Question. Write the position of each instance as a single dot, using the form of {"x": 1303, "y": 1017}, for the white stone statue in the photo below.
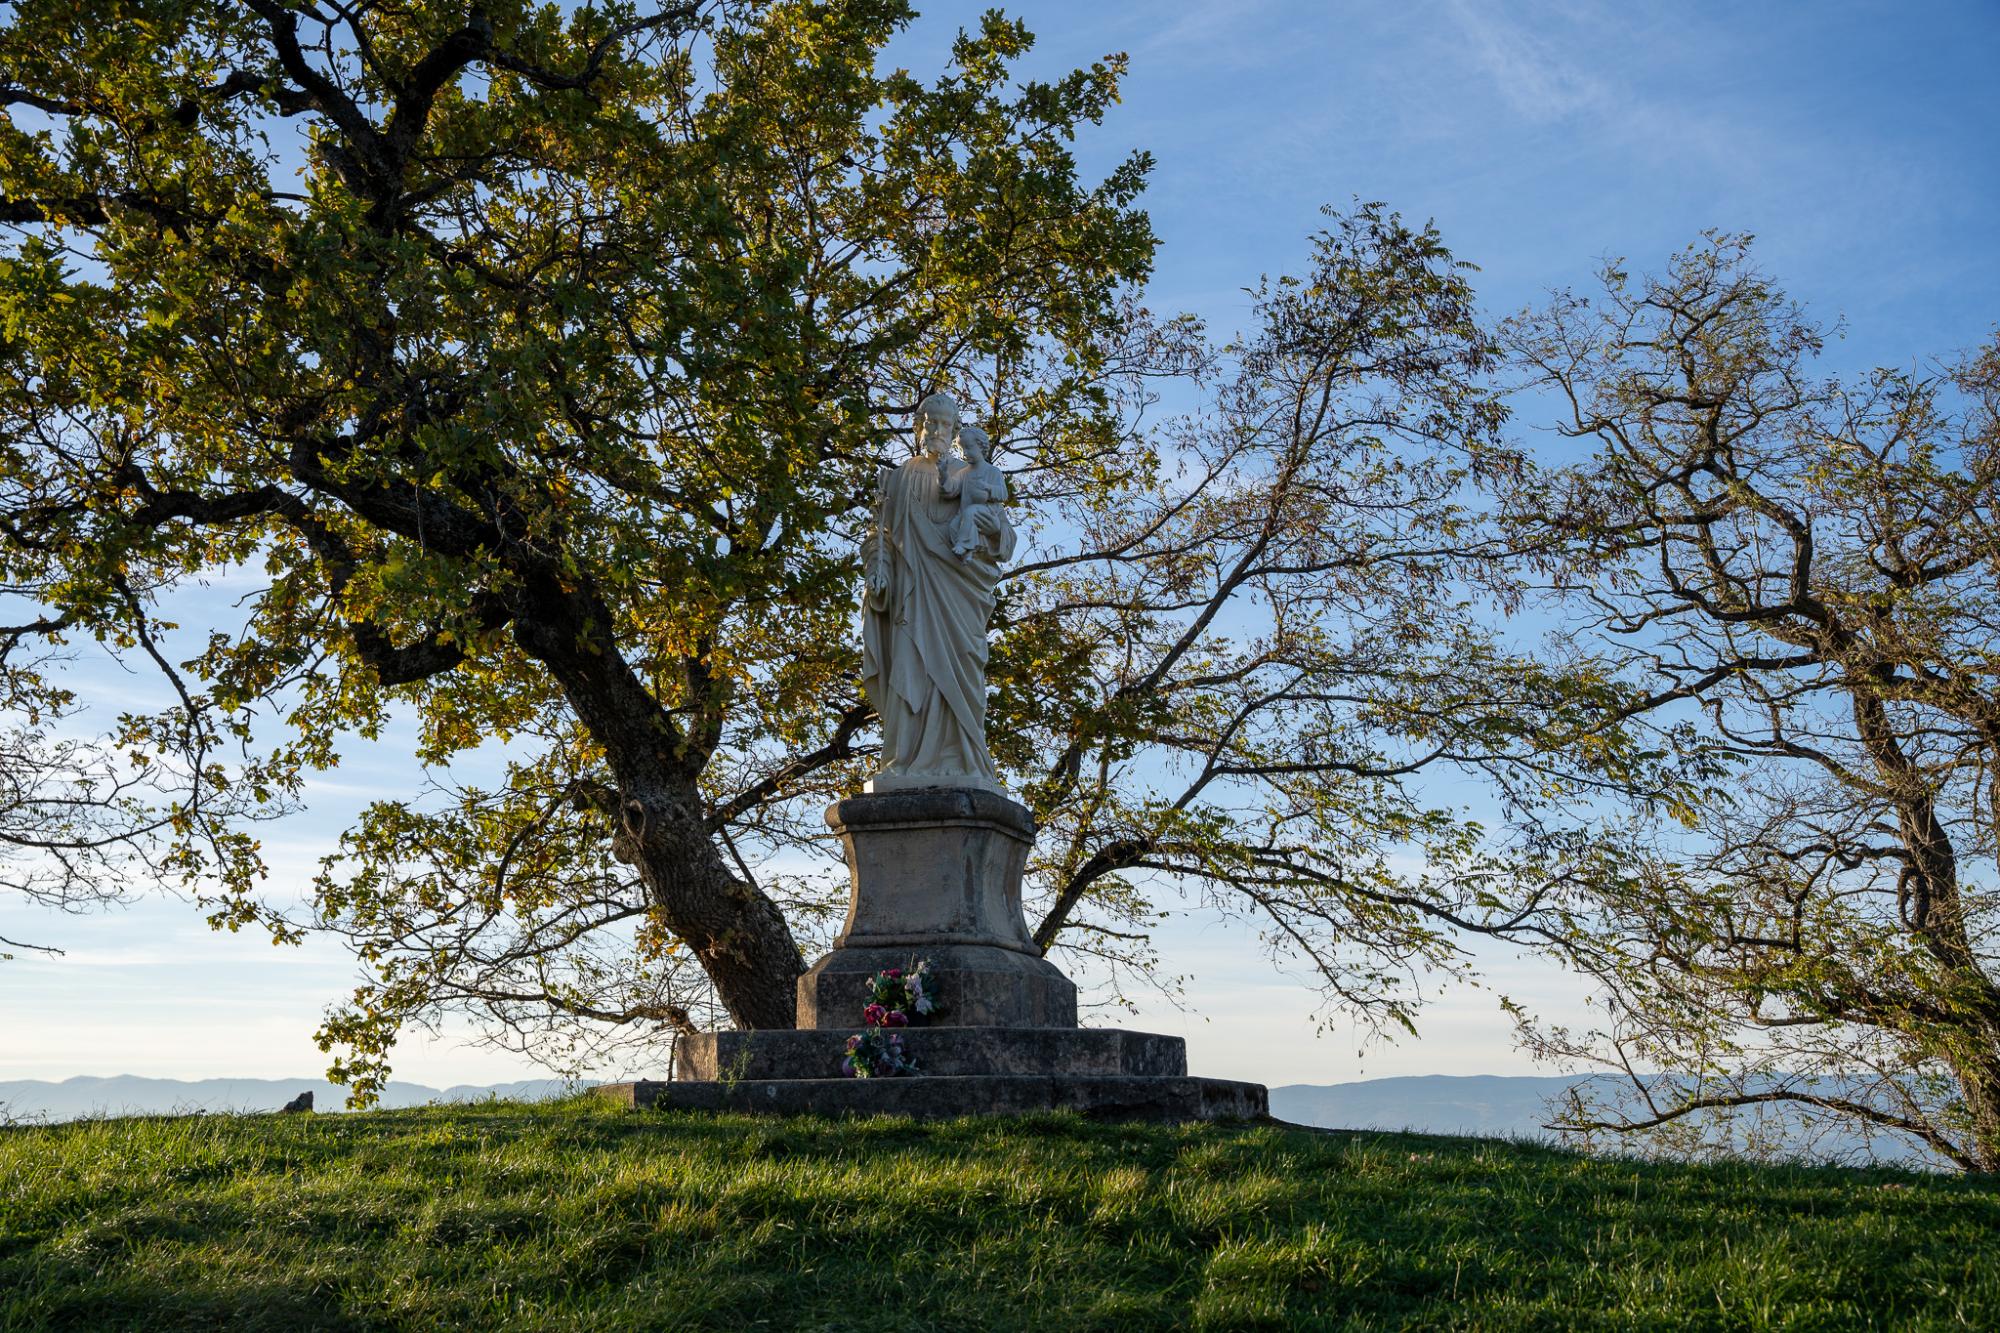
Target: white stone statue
{"x": 932, "y": 559}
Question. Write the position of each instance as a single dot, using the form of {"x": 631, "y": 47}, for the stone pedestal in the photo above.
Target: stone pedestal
{"x": 935, "y": 876}
{"x": 1169, "y": 1099}
{"x": 935, "y": 867}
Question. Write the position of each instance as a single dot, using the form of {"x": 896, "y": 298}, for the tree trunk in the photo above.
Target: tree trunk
{"x": 742, "y": 939}
{"x": 1936, "y": 915}
{"x": 739, "y": 934}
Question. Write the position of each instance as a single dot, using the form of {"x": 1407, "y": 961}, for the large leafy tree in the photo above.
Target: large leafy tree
{"x": 533, "y": 366}
{"x": 1798, "y": 575}
{"x": 532, "y": 355}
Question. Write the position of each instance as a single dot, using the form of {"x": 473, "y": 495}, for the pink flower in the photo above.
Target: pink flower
{"x": 873, "y": 1015}
{"x": 893, "y": 972}
{"x": 897, "y": 1018}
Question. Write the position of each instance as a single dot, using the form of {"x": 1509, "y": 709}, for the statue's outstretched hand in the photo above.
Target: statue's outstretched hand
{"x": 951, "y": 479}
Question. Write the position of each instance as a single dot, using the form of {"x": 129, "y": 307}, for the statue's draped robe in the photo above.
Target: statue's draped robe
{"x": 923, "y": 638}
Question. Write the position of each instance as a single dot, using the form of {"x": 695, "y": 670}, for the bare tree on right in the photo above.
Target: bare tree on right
{"x": 1803, "y": 574}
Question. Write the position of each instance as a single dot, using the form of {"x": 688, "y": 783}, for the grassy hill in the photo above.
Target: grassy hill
{"x": 573, "y": 1214}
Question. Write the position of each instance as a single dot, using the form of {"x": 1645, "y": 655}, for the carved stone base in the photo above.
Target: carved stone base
{"x": 934, "y": 867}
{"x": 939, "y": 1052}
{"x": 936, "y": 878}
{"x": 981, "y": 986}
{"x": 892, "y": 782}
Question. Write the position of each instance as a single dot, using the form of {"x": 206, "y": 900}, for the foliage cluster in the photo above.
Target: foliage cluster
{"x": 531, "y": 359}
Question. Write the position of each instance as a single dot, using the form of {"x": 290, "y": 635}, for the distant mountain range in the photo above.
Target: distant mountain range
{"x": 127, "y": 1094}
{"x": 1492, "y": 1105}
{"x": 1495, "y": 1106}
{"x": 1440, "y": 1104}
{"x": 1488, "y": 1105}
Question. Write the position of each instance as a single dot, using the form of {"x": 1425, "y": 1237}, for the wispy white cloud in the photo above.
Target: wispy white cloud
{"x": 1227, "y": 34}
{"x": 1528, "y": 65}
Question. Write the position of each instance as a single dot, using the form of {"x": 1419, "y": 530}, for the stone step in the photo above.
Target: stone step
{"x": 932, "y": 1098}
{"x": 939, "y": 1052}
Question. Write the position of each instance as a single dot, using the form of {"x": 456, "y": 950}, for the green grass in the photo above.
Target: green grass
{"x": 578, "y": 1215}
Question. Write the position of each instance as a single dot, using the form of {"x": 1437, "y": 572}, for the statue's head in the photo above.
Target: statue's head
{"x": 937, "y": 422}
{"x": 978, "y": 448}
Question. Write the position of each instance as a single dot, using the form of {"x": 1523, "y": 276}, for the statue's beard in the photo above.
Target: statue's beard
{"x": 931, "y": 441}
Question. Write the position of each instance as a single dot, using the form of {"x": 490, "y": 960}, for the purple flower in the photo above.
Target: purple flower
{"x": 897, "y": 1018}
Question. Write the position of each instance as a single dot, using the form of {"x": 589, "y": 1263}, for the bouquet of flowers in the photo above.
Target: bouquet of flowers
{"x": 897, "y": 998}
{"x": 877, "y": 1054}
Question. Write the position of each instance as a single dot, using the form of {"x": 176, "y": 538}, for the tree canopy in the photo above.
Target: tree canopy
{"x": 556, "y": 373}
{"x": 534, "y": 365}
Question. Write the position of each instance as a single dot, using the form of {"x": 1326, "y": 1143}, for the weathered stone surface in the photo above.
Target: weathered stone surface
{"x": 935, "y": 852}
{"x": 936, "y": 875}
{"x": 1100, "y": 1098}
{"x": 980, "y": 985}
{"x": 938, "y": 1051}
{"x": 936, "y": 867}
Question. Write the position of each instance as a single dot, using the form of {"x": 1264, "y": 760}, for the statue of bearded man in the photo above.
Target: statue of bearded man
{"x": 923, "y": 631}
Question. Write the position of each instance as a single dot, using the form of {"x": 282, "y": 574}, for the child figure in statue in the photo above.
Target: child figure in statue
{"x": 981, "y": 489}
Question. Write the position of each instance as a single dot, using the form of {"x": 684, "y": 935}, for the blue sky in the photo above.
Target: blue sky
{"x": 1855, "y": 140}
